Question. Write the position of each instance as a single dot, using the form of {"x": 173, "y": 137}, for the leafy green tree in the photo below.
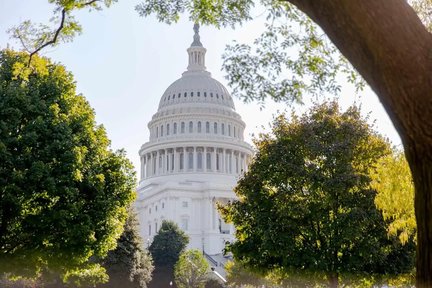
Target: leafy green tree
{"x": 63, "y": 193}
{"x": 191, "y": 270}
{"x": 167, "y": 245}
{"x": 395, "y": 197}
{"x": 298, "y": 54}
{"x": 130, "y": 264}
{"x": 306, "y": 203}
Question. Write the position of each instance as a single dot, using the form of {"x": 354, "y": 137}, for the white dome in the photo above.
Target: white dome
{"x": 196, "y": 87}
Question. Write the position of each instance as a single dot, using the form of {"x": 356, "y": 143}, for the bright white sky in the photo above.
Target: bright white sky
{"x": 123, "y": 63}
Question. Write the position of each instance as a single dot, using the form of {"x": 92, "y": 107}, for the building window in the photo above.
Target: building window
{"x": 160, "y": 162}
{"x": 163, "y": 205}
{"x": 237, "y": 164}
{"x": 149, "y": 231}
{"x": 190, "y": 160}
{"x": 215, "y": 128}
{"x": 161, "y": 130}
{"x": 172, "y": 161}
{"x": 198, "y": 94}
{"x": 199, "y": 126}
{"x": 190, "y": 127}
{"x": 211, "y": 95}
{"x": 230, "y": 163}
{"x": 185, "y": 204}
{"x": 156, "y": 208}
{"x": 207, "y": 127}
{"x": 168, "y": 129}
{"x": 179, "y": 95}
{"x": 205, "y": 94}
{"x": 199, "y": 160}
{"x": 217, "y": 96}
{"x": 173, "y": 96}
{"x": 156, "y": 227}
{"x": 175, "y": 128}
{"x": 181, "y": 161}
{"x": 223, "y": 128}
{"x": 185, "y": 94}
{"x": 157, "y": 132}
{"x": 184, "y": 224}
{"x": 191, "y": 94}
{"x": 182, "y": 128}
{"x": 234, "y": 128}
{"x": 229, "y": 130}
{"x": 208, "y": 161}
{"x": 217, "y": 161}
{"x": 149, "y": 210}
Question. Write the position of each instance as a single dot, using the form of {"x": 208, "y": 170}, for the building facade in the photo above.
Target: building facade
{"x": 193, "y": 158}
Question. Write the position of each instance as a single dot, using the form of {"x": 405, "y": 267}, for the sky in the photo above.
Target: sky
{"x": 122, "y": 63}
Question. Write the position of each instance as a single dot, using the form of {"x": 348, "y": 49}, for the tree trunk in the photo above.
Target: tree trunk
{"x": 390, "y": 47}
{"x": 333, "y": 279}
{"x": 422, "y": 175}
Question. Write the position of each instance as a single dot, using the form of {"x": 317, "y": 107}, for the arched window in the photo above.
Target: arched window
{"x": 157, "y": 132}
{"x": 182, "y": 127}
{"x": 207, "y": 127}
{"x": 199, "y": 126}
{"x": 229, "y": 130}
{"x": 191, "y": 94}
{"x": 190, "y": 127}
{"x": 161, "y": 130}
{"x": 185, "y": 94}
{"x": 205, "y": 94}
{"x": 168, "y": 129}
{"x": 199, "y": 160}
{"x": 223, "y": 128}
{"x": 175, "y": 128}
{"x": 181, "y": 161}
{"x": 234, "y": 128}
{"x": 190, "y": 160}
{"x": 208, "y": 161}
{"x": 215, "y": 128}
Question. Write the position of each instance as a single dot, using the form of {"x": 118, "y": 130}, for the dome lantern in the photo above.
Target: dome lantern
{"x": 196, "y": 53}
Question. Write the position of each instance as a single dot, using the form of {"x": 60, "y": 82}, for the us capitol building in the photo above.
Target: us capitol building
{"x": 194, "y": 156}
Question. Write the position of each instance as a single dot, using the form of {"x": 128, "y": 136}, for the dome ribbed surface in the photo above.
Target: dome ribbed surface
{"x": 196, "y": 87}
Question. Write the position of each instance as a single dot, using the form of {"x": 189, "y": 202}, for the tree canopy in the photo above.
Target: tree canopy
{"x": 392, "y": 179}
{"x": 191, "y": 270}
{"x": 168, "y": 244}
{"x": 63, "y": 192}
{"x": 306, "y": 204}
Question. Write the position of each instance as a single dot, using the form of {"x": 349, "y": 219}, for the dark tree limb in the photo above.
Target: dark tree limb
{"x": 54, "y": 39}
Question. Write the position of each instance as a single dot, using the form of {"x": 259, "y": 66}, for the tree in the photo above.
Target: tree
{"x": 374, "y": 37}
{"x": 130, "y": 264}
{"x": 167, "y": 245}
{"x": 306, "y": 203}
{"x": 191, "y": 270}
{"x": 63, "y": 192}
{"x": 395, "y": 196}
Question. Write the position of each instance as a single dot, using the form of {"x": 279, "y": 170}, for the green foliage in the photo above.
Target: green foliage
{"x": 168, "y": 244}
{"x": 63, "y": 192}
{"x": 306, "y": 205}
{"x": 130, "y": 264}
{"x": 395, "y": 196}
{"x": 191, "y": 270}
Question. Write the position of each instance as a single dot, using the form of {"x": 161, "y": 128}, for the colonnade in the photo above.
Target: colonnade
{"x": 193, "y": 159}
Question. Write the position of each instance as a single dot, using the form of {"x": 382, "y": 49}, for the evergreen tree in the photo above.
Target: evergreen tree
{"x": 130, "y": 264}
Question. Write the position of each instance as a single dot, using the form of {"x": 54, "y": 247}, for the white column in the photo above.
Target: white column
{"x": 224, "y": 161}
{"x": 175, "y": 159}
{"x": 157, "y": 162}
{"x": 195, "y": 159}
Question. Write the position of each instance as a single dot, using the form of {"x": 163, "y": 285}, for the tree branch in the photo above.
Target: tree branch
{"x": 57, "y": 32}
